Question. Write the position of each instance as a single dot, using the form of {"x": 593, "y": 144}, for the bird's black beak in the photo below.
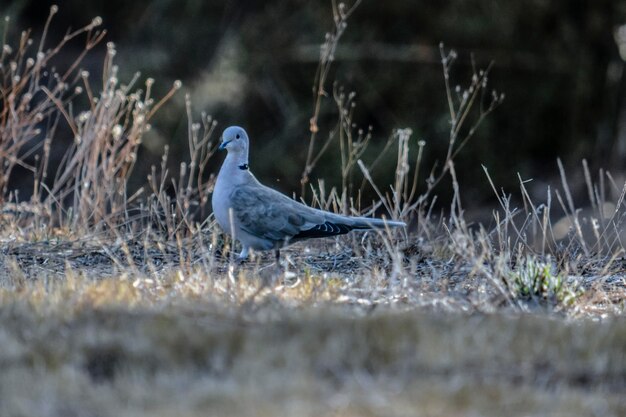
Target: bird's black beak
{"x": 223, "y": 145}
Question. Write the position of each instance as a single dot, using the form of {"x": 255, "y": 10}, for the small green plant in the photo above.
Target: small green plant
{"x": 538, "y": 281}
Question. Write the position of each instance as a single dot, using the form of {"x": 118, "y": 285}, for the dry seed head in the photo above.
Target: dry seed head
{"x": 40, "y": 56}
{"x": 78, "y": 89}
{"x": 116, "y": 132}
{"x": 97, "y": 21}
{"x": 38, "y": 117}
{"x": 177, "y": 84}
{"x": 149, "y": 82}
{"x": 77, "y": 139}
{"x": 13, "y": 66}
{"x": 84, "y": 74}
{"x": 406, "y": 132}
{"x": 16, "y": 79}
{"x": 54, "y": 8}
{"x": 83, "y": 116}
{"x": 111, "y": 49}
{"x": 30, "y": 62}
{"x": 421, "y": 143}
{"x": 147, "y": 127}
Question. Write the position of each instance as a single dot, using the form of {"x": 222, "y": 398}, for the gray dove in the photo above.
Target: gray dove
{"x": 261, "y": 218}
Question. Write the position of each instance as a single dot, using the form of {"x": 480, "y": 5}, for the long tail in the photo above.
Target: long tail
{"x": 339, "y": 225}
{"x": 369, "y": 223}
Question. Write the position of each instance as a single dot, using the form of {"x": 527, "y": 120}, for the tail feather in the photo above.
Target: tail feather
{"x": 342, "y": 225}
{"x": 370, "y": 223}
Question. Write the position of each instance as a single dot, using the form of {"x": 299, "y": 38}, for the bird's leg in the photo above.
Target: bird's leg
{"x": 277, "y": 254}
{"x": 243, "y": 255}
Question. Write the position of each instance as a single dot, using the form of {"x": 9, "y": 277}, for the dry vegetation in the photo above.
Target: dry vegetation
{"x": 118, "y": 302}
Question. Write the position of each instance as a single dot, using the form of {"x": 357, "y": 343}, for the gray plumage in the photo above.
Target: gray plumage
{"x": 264, "y": 219}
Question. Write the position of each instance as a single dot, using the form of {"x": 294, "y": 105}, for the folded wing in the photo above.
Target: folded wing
{"x": 268, "y": 214}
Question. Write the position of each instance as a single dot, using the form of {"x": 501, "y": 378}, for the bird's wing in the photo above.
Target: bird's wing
{"x": 268, "y": 214}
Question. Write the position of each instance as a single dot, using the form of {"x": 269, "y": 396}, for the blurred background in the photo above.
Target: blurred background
{"x": 253, "y": 64}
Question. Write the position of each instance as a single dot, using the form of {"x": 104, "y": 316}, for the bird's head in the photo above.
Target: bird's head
{"x": 234, "y": 139}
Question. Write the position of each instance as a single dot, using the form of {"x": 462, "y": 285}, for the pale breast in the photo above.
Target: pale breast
{"x": 221, "y": 204}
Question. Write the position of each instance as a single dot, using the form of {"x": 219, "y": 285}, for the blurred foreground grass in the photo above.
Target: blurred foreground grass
{"x": 207, "y": 360}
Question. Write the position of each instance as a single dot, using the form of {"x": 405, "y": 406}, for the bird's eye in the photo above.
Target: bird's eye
{"x": 238, "y": 136}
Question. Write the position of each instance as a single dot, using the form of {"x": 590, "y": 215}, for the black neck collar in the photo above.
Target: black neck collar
{"x": 243, "y": 167}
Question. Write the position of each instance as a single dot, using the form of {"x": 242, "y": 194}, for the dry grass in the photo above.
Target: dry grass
{"x": 119, "y": 303}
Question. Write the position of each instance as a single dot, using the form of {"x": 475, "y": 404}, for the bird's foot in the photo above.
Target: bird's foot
{"x": 290, "y": 279}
